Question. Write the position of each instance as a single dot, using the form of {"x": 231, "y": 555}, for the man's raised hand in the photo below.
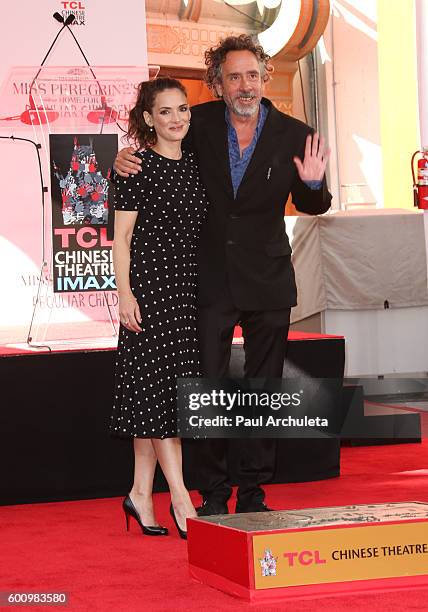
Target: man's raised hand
{"x": 315, "y": 161}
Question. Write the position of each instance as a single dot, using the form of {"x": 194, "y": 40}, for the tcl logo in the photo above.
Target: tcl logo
{"x": 304, "y": 557}
{"x": 73, "y": 5}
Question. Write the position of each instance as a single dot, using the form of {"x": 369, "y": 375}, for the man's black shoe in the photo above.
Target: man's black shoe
{"x": 209, "y": 508}
{"x": 255, "y": 507}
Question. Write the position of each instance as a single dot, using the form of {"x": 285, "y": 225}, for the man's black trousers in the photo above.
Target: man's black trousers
{"x": 265, "y": 338}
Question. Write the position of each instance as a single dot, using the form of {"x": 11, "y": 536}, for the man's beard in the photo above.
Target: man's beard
{"x": 244, "y": 110}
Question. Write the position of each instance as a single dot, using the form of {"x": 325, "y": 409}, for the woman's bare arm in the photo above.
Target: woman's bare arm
{"x": 129, "y": 311}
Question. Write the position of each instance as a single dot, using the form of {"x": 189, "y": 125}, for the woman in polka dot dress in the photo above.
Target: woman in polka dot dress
{"x": 157, "y": 224}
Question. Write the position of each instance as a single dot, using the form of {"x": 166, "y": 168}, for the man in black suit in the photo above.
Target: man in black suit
{"x": 250, "y": 158}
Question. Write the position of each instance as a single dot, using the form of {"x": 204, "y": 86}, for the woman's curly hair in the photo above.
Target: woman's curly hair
{"x": 215, "y": 57}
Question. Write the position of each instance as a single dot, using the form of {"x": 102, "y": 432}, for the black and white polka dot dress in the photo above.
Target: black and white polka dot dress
{"x": 171, "y": 205}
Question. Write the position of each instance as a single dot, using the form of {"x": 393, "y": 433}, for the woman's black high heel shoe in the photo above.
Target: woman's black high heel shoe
{"x": 181, "y": 532}
{"x": 130, "y": 510}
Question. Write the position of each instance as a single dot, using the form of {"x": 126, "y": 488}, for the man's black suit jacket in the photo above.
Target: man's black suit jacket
{"x": 244, "y": 245}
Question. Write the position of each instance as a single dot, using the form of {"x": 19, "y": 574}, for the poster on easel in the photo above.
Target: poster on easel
{"x": 82, "y": 211}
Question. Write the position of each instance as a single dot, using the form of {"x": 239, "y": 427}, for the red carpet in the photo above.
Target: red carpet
{"x": 82, "y": 548}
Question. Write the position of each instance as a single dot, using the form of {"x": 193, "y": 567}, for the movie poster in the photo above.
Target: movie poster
{"x": 81, "y": 211}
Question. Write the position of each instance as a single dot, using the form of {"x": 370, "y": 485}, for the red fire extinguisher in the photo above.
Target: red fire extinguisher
{"x": 420, "y": 187}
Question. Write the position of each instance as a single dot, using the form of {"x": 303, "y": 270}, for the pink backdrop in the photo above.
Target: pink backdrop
{"x": 112, "y": 34}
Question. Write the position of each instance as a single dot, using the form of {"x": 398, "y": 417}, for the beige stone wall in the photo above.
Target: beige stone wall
{"x": 178, "y": 34}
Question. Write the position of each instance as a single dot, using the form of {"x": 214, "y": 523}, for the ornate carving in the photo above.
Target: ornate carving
{"x": 187, "y": 41}
{"x": 280, "y": 88}
{"x": 284, "y": 106}
{"x": 162, "y": 39}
